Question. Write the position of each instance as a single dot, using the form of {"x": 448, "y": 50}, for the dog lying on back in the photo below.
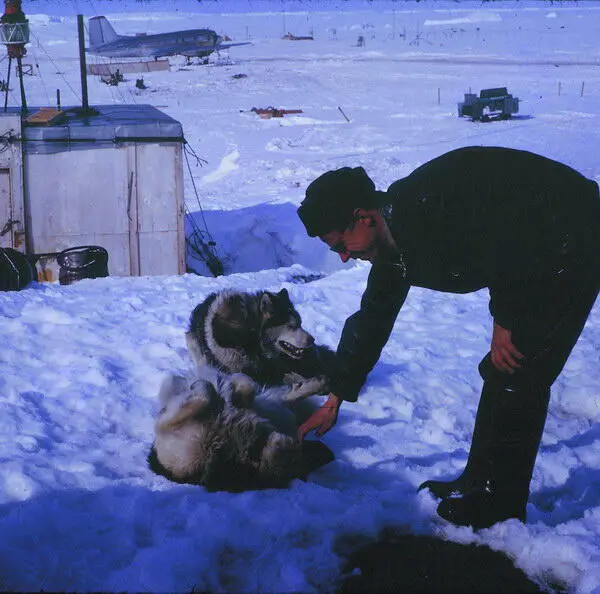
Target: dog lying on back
{"x": 233, "y": 425}
{"x": 225, "y": 433}
{"x": 259, "y": 334}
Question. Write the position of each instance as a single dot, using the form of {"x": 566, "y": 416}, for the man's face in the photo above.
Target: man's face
{"x": 360, "y": 240}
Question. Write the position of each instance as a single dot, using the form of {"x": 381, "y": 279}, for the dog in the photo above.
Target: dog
{"x": 258, "y": 334}
{"x": 224, "y": 432}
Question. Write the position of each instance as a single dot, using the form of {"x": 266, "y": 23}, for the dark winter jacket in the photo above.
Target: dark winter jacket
{"x": 475, "y": 217}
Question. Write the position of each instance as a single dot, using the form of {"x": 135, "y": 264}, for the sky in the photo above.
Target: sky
{"x": 81, "y": 364}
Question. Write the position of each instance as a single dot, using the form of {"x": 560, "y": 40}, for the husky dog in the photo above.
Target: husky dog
{"x": 259, "y": 334}
{"x": 223, "y": 432}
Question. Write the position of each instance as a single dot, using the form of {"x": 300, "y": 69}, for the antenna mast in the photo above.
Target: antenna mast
{"x": 82, "y": 65}
{"x": 14, "y": 33}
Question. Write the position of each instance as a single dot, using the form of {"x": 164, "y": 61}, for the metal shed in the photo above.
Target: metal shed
{"x": 111, "y": 176}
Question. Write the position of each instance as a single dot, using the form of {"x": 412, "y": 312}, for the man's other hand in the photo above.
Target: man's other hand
{"x": 322, "y": 420}
{"x": 504, "y": 353}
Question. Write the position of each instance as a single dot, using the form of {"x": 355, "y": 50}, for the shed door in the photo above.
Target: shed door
{"x": 157, "y": 209}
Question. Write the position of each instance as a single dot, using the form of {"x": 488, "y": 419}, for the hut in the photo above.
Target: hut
{"x": 109, "y": 177}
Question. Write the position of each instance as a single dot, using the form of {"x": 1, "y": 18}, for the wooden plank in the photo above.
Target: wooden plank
{"x": 45, "y": 115}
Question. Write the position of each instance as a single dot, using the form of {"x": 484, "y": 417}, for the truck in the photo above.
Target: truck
{"x": 491, "y": 102}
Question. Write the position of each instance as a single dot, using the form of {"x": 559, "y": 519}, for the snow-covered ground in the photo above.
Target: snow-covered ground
{"x": 80, "y": 365}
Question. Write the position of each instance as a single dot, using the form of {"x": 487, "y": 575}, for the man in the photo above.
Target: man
{"x": 526, "y": 227}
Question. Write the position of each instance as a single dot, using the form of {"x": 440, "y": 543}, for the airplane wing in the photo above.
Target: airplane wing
{"x": 183, "y": 49}
{"x": 191, "y": 49}
{"x": 228, "y": 45}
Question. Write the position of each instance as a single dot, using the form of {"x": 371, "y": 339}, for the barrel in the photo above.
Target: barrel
{"x": 87, "y": 261}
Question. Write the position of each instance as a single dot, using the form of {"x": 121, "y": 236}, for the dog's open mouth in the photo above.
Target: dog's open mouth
{"x": 290, "y": 350}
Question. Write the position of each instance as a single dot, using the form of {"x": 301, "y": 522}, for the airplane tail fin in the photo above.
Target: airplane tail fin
{"x": 101, "y": 31}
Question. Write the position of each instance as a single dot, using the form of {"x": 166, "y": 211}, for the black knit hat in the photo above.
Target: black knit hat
{"x": 332, "y": 198}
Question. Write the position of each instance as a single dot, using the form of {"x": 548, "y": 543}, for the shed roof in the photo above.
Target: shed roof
{"x": 106, "y": 126}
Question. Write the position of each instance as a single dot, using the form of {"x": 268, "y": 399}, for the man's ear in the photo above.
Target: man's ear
{"x": 266, "y": 305}
{"x": 362, "y": 216}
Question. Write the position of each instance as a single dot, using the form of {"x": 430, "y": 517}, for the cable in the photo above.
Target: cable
{"x": 188, "y": 150}
{"x": 201, "y": 241}
{"x": 57, "y": 68}
{"x": 37, "y": 67}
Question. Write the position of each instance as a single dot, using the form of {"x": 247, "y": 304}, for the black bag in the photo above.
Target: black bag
{"x": 16, "y": 270}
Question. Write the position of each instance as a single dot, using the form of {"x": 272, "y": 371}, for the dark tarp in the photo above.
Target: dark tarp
{"x": 16, "y": 271}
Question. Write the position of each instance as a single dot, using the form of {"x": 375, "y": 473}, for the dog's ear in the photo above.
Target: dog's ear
{"x": 230, "y": 323}
{"x": 267, "y": 304}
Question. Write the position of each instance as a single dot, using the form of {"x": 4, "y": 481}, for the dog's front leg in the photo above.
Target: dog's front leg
{"x": 292, "y": 377}
{"x": 305, "y": 388}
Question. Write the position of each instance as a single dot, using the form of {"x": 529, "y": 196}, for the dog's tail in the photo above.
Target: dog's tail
{"x": 315, "y": 454}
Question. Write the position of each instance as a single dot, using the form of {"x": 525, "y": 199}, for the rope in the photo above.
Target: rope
{"x": 201, "y": 241}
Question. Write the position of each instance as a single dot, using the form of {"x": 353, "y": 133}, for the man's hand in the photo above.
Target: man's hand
{"x": 504, "y": 353}
{"x": 323, "y": 419}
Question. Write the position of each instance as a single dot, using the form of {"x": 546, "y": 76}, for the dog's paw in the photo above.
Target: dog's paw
{"x": 243, "y": 390}
{"x": 281, "y": 461}
{"x": 292, "y": 378}
{"x": 203, "y": 396}
{"x": 315, "y": 385}
{"x": 171, "y": 386}
{"x": 305, "y": 388}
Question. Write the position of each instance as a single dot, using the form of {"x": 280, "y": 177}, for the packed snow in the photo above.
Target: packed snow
{"x": 81, "y": 364}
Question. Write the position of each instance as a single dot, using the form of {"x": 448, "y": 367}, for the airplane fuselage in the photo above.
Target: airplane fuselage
{"x": 193, "y": 42}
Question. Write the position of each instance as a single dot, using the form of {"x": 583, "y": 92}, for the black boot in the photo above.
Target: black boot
{"x": 484, "y": 508}
{"x": 518, "y": 419}
{"x": 477, "y": 470}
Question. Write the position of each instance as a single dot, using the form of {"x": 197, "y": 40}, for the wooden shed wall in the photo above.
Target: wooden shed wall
{"x": 127, "y": 199}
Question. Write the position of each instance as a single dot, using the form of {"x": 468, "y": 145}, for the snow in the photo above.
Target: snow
{"x": 81, "y": 364}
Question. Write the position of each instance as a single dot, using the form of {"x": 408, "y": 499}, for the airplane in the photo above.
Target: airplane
{"x": 104, "y": 41}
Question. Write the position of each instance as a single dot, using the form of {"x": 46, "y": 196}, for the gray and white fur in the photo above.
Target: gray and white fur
{"x": 224, "y": 432}
{"x": 259, "y": 334}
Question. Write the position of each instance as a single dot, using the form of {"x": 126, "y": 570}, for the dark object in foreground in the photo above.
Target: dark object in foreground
{"x": 422, "y": 564}
{"x": 490, "y": 102}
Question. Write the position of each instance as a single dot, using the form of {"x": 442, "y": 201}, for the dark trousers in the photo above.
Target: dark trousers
{"x": 550, "y": 319}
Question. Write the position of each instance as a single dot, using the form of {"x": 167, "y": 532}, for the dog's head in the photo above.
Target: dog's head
{"x": 282, "y": 333}
{"x": 268, "y": 325}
